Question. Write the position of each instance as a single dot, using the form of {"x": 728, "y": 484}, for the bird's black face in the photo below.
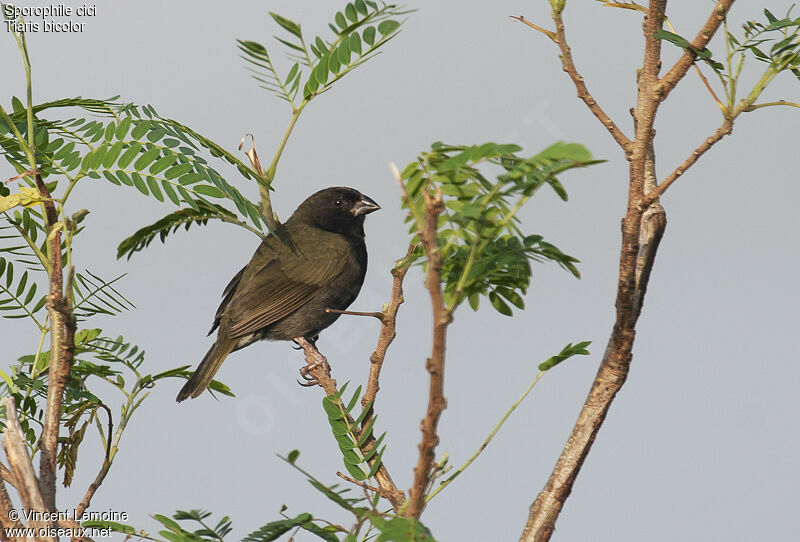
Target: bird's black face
{"x": 338, "y": 209}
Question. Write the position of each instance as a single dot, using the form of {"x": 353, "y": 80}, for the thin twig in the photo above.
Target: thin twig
{"x": 583, "y": 92}
{"x": 676, "y": 73}
{"x": 549, "y": 33}
{"x": 387, "y": 334}
{"x": 725, "y": 128}
{"x": 104, "y": 468}
{"x": 435, "y": 363}
{"x": 486, "y": 441}
{"x": 356, "y": 482}
{"x": 378, "y": 315}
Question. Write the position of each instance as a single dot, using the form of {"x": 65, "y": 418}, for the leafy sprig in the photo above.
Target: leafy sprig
{"x": 483, "y": 251}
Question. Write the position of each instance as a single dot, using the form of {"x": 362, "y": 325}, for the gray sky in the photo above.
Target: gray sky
{"x": 700, "y": 444}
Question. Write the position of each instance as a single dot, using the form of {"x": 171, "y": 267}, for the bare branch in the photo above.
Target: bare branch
{"x": 435, "y": 363}
{"x": 7, "y": 475}
{"x": 549, "y": 33}
{"x": 378, "y": 315}
{"x": 6, "y": 521}
{"x": 387, "y": 334}
{"x": 17, "y": 452}
{"x": 580, "y": 85}
{"x": 62, "y": 349}
{"x": 724, "y": 129}
{"x": 705, "y": 34}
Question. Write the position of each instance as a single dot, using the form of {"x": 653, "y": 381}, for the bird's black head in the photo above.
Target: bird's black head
{"x": 338, "y": 209}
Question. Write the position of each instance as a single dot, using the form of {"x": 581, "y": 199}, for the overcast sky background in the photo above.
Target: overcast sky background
{"x": 701, "y": 444}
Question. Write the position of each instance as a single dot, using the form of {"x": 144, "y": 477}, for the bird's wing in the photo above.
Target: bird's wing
{"x": 230, "y": 289}
{"x": 275, "y": 289}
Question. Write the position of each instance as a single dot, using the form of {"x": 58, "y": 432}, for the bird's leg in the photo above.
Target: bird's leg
{"x": 314, "y": 359}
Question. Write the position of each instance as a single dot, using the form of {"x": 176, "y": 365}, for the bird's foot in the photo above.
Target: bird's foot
{"x": 312, "y": 341}
{"x": 314, "y": 359}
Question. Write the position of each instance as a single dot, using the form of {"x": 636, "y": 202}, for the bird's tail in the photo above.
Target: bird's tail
{"x": 205, "y": 372}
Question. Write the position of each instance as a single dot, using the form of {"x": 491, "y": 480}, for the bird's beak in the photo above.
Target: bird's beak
{"x": 364, "y": 206}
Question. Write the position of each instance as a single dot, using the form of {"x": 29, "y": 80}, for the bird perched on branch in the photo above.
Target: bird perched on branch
{"x": 315, "y": 261}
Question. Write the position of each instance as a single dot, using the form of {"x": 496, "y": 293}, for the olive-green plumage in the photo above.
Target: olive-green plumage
{"x": 315, "y": 261}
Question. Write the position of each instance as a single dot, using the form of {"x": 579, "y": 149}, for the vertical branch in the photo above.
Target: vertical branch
{"x": 642, "y": 229}
{"x": 435, "y": 363}
{"x": 62, "y": 349}
{"x": 20, "y": 462}
{"x": 387, "y": 334}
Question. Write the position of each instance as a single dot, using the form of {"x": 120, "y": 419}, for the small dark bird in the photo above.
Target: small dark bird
{"x": 315, "y": 261}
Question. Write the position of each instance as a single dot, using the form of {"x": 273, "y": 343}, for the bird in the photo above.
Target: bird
{"x": 316, "y": 260}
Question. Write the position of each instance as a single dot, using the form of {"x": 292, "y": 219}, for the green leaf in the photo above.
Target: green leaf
{"x": 163, "y": 163}
{"x": 567, "y": 352}
{"x": 170, "y": 192}
{"x": 112, "y": 154}
{"x": 123, "y": 127}
{"x": 146, "y": 159}
{"x": 293, "y": 455}
{"x": 139, "y": 183}
{"x": 129, "y": 154}
{"x": 387, "y": 27}
{"x": 154, "y": 188}
{"x": 208, "y": 190}
{"x": 369, "y": 35}
{"x": 290, "y": 26}
{"x": 355, "y": 43}
{"x": 350, "y": 11}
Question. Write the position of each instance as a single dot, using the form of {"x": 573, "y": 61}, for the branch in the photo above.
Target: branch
{"x": 356, "y": 482}
{"x": 6, "y": 506}
{"x": 724, "y": 129}
{"x": 583, "y": 92}
{"x": 266, "y": 204}
{"x": 319, "y": 370}
{"x": 435, "y": 363}
{"x": 676, "y": 73}
{"x": 387, "y": 334}
{"x": 104, "y": 468}
{"x": 17, "y": 452}
{"x": 7, "y": 475}
{"x": 486, "y": 441}
{"x": 62, "y": 349}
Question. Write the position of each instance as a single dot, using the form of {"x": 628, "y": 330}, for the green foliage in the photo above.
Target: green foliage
{"x": 142, "y": 238}
{"x": 95, "y": 295}
{"x": 579, "y": 349}
{"x": 775, "y": 42}
{"x": 18, "y": 295}
{"x": 135, "y": 147}
{"x": 351, "y": 439}
{"x": 174, "y": 531}
{"x": 358, "y": 33}
{"x": 400, "y": 529}
{"x": 483, "y": 251}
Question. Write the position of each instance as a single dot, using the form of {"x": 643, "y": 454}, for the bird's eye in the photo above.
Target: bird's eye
{"x": 338, "y": 202}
